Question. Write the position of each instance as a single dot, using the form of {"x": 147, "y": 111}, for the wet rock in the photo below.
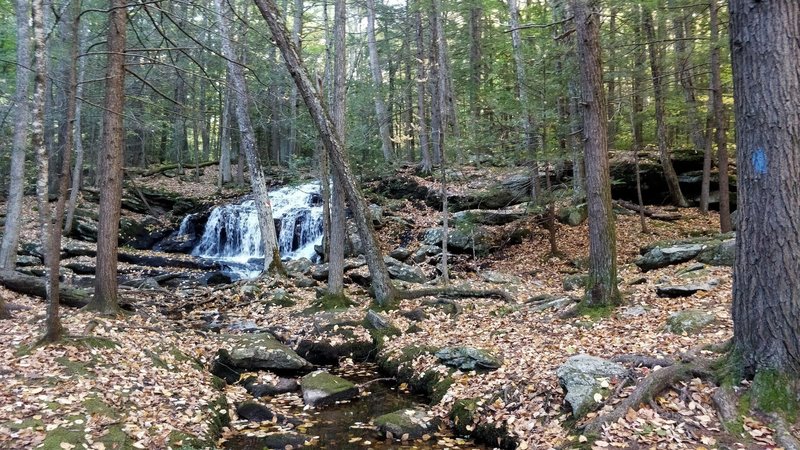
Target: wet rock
{"x": 321, "y": 388}
{"x": 468, "y": 358}
{"x": 659, "y": 257}
{"x": 405, "y": 424}
{"x": 261, "y": 351}
{"x": 256, "y": 412}
{"x": 216, "y": 278}
{"x": 689, "y": 321}
{"x": 684, "y": 290}
{"x": 283, "y": 386}
{"x": 581, "y": 376}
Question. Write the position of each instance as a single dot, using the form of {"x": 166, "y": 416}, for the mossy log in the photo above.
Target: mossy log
{"x": 456, "y": 292}
{"x": 30, "y": 285}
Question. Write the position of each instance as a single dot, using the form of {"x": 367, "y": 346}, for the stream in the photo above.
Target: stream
{"x": 232, "y": 237}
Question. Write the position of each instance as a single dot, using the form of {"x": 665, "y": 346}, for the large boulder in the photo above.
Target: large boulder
{"x": 471, "y": 241}
{"x": 573, "y": 215}
{"x": 688, "y": 321}
{"x": 405, "y": 424}
{"x": 468, "y": 358}
{"x": 582, "y": 376}
{"x": 321, "y": 388}
{"x": 719, "y": 254}
{"x": 402, "y": 271}
{"x": 260, "y": 351}
{"x": 684, "y": 290}
{"x": 658, "y": 257}
{"x": 487, "y": 216}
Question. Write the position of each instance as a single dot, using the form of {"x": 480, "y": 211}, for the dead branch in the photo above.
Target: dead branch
{"x": 666, "y": 217}
{"x": 643, "y": 361}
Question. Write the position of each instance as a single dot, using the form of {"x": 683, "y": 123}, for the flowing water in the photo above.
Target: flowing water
{"x": 232, "y": 235}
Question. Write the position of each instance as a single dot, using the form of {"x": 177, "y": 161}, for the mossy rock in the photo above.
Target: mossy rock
{"x": 689, "y": 321}
{"x": 321, "y": 388}
{"x": 405, "y": 424}
{"x": 464, "y": 415}
{"x": 330, "y": 302}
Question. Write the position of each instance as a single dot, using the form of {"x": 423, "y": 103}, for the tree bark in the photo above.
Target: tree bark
{"x": 766, "y": 282}
{"x": 719, "y": 119}
{"x": 675, "y": 194}
{"x": 111, "y": 173}
{"x": 528, "y": 127}
{"x": 601, "y": 289}
{"x": 637, "y": 108}
{"x": 37, "y": 287}
{"x": 382, "y": 286}
{"x": 377, "y": 80}
{"x": 425, "y": 162}
{"x": 16, "y": 186}
{"x": 225, "y": 137}
{"x": 338, "y": 221}
{"x": 258, "y": 182}
{"x": 77, "y": 171}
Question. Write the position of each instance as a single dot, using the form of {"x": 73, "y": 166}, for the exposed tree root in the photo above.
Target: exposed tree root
{"x": 643, "y": 361}
{"x": 654, "y": 383}
{"x": 456, "y": 292}
{"x": 783, "y": 434}
{"x": 726, "y": 404}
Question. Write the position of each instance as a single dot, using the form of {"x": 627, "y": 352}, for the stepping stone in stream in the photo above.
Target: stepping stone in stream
{"x": 321, "y": 388}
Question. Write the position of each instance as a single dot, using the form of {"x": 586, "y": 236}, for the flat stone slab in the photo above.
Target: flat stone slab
{"x": 684, "y": 290}
{"x": 659, "y": 257}
{"x": 261, "y": 351}
{"x": 468, "y": 358}
{"x": 321, "y": 388}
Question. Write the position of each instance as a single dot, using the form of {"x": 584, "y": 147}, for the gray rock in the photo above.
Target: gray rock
{"x": 283, "y": 386}
{"x": 321, "y": 388}
{"x": 690, "y": 270}
{"x": 474, "y": 240}
{"x": 400, "y": 253}
{"x": 378, "y": 321}
{"x": 405, "y": 424}
{"x": 684, "y": 290}
{"x": 402, "y": 271}
{"x": 28, "y": 261}
{"x": 659, "y": 257}
{"x": 299, "y": 266}
{"x": 468, "y": 358}
{"x": 262, "y": 351}
{"x": 573, "y": 216}
{"x": 689, "y": 321}
{"x": 492, "y": 276}
{"x": 304, "y": 282}
{"x": 487, "y": 216}
{"x": 555, "y": 303}
{"x": 575, "y": 281}
{"x": 719, "y": 254}
{"x": 425, "y": 252}
{"x": 376, "y": 214}
{"x": 256, "y": 412}
{"x": 581, "y": 376}
{"x": 634, "y": 311}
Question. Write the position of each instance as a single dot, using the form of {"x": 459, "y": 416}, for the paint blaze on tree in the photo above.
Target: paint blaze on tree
{"x": 766, "y": 288}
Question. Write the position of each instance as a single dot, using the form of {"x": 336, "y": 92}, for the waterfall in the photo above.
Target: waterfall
{"x": 233, "y": 237}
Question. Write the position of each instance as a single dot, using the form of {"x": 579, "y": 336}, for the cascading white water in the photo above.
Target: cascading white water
{"x": 232, "y": 235}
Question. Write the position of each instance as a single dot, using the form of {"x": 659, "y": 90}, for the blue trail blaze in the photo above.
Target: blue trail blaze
{"x": 759, "y": 159}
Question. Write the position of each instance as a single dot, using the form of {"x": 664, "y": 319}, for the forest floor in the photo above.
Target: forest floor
{"x": 142, "y": 380}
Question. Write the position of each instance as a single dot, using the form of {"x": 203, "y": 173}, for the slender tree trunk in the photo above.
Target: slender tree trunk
{"x": 705, "y": 182}
{"x": 111, "y": 155}
{"x": 338, "y": 221}
{"x": 50, "y": 234}
{"x": 601, "y": 289}
{"x": 297, "y": 27}
{"x": 225, "y": 136}
{"x": 676, "y": 196}
{"x": 719, "y": 119}
{"x": 272, "y": 257}
{"x": 382, "y": 286}
{"x": 637, "y": 109}
{"x": 475, "y": 67}
{"x": 686, "y": 78}
{"x": 425, "y": 163}
{"x": 16, "y": 185}
{"x": 611, "y": 75}
{"x": 380, "y": 107}
{"x": 766, "y": 282}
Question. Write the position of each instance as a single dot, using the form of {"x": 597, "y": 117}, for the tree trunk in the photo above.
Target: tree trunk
{"x": 291, "y": 147}
{"x": 381, "y": 284}
{"x": 377, "y": 79}
{"x": 766, "y": 282}
{"x": 664, "y": 155}
{"x": 601, "y": 289}
{"x": 258, "y": 182}
{"x": 111, "y": 154}
{"x": 16, "y": 186}
{"x": 637, "y": 108}
{"x": 425, "y": 162}
{"x": 49, "y": 234}
{"x": 225, "y": 136}
{"x": 719, "y": 119}
{"x": 705, "y": 181}
{"x": 77, "y": 171}
{"x": 338, "y": 221}
{"x": 681, "y": 23}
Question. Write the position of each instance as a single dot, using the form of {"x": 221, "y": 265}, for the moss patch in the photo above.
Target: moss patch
{"x": 773, "y": 391}
{"x": 95, "y": 406}
{"x": 330, "y": 302}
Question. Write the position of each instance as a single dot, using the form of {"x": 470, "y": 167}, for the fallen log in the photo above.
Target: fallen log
{"x": 664, "y": 216}
{"x": 163, "y": 261}
{"x": 457, "y": 293}
{"x": 30, "y": 285}
{"x": 165, "y": 167}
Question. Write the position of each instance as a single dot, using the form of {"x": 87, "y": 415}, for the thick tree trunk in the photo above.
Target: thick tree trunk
{"x": 675, "y": 194}
{"x": 766, "y": 287}
{"x": 338, "y": 221}
{"x": 16, "y": 185}
{"x": 381, "y": 284}
{"x": 601, "y": 289}
{"x": 258, "y": 182}
{"x": 719, "y": 119}
{"x": 374, "y": 65}
{"x": 111, "y": 173}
